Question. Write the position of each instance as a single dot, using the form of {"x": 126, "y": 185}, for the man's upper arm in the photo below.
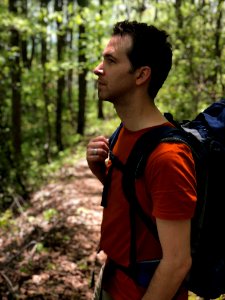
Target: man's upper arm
{"x": 174, "y": 237}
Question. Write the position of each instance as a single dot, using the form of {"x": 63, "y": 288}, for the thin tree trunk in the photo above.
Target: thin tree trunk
{"x": 44, "y": 60}
{"x": 70, "y": 71}
{"x": 61, "y": 79}
{"x": 16, "y": 87}
{"x": 82, "y": 83}
{"x": 218, "y": 49}
{"x": 27, "y": 61}
{"x": 15, "y": 72}
{"x": 59, "y": 101}
{"x": 156, "y": 11}
{"x": 100, "y": 102}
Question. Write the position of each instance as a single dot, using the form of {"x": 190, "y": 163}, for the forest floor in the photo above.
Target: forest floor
{"x": 48, "y": 250}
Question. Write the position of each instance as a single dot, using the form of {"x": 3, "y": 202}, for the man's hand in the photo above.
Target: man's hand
{"x": 97, "y": 153}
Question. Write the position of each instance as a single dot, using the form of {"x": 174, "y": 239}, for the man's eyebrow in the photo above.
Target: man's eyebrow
{"x": 109, "y": 55}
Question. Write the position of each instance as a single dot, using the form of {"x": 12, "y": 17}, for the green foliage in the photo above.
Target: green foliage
{"x": 82, "y": 265}
{"x": 40, "y": 248}
{"x": 50, "y": 214}
{"x": 50, "y": 266}
{"x": 196, "y": 79}
{"x": 6, "y": 219}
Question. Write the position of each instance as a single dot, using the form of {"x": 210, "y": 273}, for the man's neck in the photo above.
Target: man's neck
{"x": 140, "y": 114}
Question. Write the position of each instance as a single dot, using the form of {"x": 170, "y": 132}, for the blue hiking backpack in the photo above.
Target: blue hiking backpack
{"x": 205, "y": 135}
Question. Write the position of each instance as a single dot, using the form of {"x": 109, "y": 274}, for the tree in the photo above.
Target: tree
{"x": 45, "y": 81}
{"x": 70, "y": 36}
{"x": 15, "y": 70}
{"x": 100, "y": 102}
{"x": 61, "y": 76}
{"x": 48, "y": 49}
{"x": 24, "y": 45}
{"x": 82, "y": 72}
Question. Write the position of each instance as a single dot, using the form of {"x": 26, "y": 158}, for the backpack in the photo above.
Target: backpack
{"x": 205, "y": 135}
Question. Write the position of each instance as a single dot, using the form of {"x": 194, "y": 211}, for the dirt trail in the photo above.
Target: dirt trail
{"x": 49, "y": 250}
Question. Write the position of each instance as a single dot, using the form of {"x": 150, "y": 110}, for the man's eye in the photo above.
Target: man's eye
{"x": 111, "y": 61}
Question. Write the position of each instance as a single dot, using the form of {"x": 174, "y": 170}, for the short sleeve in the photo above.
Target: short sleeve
{"x": 171, "y": 181}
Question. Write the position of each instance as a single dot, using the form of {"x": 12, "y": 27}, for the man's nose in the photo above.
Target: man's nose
{"x": 99, "y": 69}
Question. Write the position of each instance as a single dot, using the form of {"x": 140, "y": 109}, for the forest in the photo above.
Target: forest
{"x": 49, "y": 107}
{"x": 48, "y": 49}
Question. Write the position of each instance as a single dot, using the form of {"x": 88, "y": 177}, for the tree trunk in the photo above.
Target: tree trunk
{"x": 70, "y": 71}
{"x": 44, "y": 59}
{"x": 218, "y": 49}
{"x": 82, "y": 83}
{"x": 100, "y": 102}
{"x": 27, "y": 61}
{"x": 15, "y": 72}
{"x": 156, "y": 11}
{"x": 61, "y": 79}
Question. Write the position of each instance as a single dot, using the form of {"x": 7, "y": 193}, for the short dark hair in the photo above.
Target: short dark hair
{"x": 150, "y": 47}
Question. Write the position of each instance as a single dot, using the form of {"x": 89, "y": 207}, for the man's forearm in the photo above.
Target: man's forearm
{"x": 166, "y": 281}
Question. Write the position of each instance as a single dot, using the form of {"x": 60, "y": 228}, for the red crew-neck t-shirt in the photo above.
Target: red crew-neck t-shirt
{"x": 166, "y": 191}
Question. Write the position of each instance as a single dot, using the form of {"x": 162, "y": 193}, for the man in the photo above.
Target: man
{"x": 135, "y": 64}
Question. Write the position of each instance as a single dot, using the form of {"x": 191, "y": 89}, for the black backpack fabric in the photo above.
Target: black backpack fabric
{"x": 205, "y": 135}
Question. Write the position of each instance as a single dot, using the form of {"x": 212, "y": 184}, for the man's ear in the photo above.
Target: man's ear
{"x": 143, "y": 74}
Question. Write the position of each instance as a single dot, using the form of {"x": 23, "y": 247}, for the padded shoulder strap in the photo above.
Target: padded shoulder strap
{"x": 136, "y": 162}
{"x": 134, "y": 168}
{"x": 114, "y": 136}
{"x": 147, "y": 143}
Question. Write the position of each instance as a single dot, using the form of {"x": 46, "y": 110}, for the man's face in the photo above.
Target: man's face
{"x": 115, "y": 77}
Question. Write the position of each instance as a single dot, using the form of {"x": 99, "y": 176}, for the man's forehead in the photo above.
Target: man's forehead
{"x": 118, "y": 43}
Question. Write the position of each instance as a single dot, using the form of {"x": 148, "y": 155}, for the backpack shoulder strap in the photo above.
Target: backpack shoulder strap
{"x": 112, "y": 141}
{"x": 140, "y": 153}
{"x": 134, "y": 168}
{"x": 147, "y": 143}
{"x": 136, "y": 162}
{"x": 113, "y": 138}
